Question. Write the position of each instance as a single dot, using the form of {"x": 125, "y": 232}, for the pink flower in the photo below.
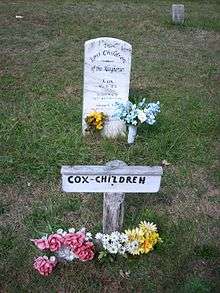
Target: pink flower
{"x": 41, "y": 244}
{"x": 44, "y": 265}
{"x": 85, "y": 252}
{"x": 74, "y": 240}
{"x": 55, "y": 242}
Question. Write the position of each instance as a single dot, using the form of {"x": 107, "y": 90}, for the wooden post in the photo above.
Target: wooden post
{"x": 178, "y": 13}
{"x": 113, "y": 205}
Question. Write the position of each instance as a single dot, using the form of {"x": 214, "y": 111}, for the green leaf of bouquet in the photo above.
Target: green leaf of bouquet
{"x": 102, "y": 254}
{"x": 111, "y": 258}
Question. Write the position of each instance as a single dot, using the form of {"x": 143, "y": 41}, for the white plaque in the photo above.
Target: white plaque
{"x": 130, "y": 179}
{"x": 107, "y": 65}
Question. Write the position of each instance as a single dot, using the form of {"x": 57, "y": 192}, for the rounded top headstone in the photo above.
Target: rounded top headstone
{"x": 107, "y": 66}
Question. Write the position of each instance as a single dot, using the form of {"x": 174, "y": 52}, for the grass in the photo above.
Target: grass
{"x": 41, "y": 80}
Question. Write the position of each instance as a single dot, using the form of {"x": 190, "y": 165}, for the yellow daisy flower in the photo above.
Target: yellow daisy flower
{"x": 147, "y": 226}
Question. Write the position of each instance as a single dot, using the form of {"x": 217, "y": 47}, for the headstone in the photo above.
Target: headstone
{"x": 107, "y": 65}
{"x": 113, "y": 179}
{"x": 178, "y": 13}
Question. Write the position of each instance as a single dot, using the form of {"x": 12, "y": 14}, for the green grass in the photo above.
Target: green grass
{"x": 41, "y": 80}
{"x": 196, "y": 285}
{"x": 48, "y": 217}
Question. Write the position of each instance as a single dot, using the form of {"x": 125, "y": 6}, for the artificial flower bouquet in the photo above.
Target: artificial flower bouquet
{"x": 139, "y": 240}
{"x": 72, "y": 245}
{"x": 63, "y": 246}
{"x": 136, "y": 114}
{"x": 95, "y": 121}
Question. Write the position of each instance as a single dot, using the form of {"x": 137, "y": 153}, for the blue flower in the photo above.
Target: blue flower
{"x": 129, "y": 112}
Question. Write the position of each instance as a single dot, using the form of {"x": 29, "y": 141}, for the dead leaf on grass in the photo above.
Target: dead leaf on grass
{"x": 124, "y": 274}
{"x": 165, "y": 163}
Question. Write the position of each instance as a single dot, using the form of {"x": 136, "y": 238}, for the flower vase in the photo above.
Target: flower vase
{"x": 132, "y": 132}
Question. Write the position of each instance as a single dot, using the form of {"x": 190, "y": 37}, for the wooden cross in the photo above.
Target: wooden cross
{"x": 114, "y": 180}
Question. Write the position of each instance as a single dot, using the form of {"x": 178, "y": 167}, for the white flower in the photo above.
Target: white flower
{"x": 142, "y": 116}
{"x": 88, "y": 236}
{"x": 113, "y": 249}
{"x": 116, "y": 233}
{"x": 44, "y": 237}
{"x": 132, "y": 246}
{"x": 122, "y": 250}
{"x": 134, "y": 122}
{"x": 71, "y": 230}
{"x": 53, "y": 259}
{"x": 61, "y": 232}
{"x": 117, "y": 244}
{"x": 105, "y": 246}
{"x": 115, "y": 236}
{"x": 124, "y": 237}
{"x": 98, "y": 236}
{"x": 71, "y": 256}
{"x": 135, "y": 244}
{"x": 105, "y": 238}
{"x": 66, "y": 253}
{"x": 83, "y": 229}
{"x": 133, "y": 107}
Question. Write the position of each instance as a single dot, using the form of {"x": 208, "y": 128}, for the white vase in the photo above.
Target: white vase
{"x": 132, "y": 132}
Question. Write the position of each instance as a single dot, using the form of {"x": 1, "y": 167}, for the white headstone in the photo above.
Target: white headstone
{"x": 107, "y": 65}
{"x": 178, "y": 13}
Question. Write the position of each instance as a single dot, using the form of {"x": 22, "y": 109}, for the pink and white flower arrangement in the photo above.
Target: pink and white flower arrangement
{"x": 66, "y": 246}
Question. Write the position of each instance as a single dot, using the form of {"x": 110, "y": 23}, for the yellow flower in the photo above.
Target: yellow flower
{"x": 145, "y": 238}
{"x": 95, "y": 120}
{"x": 154, "y": 238}
{"x": 147, "y": 226}
{"x": 146, "y": 246}
{"x": 135, "y": 234}
{"x": 92, "y": 114}
{"x": 99, "y": 126}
